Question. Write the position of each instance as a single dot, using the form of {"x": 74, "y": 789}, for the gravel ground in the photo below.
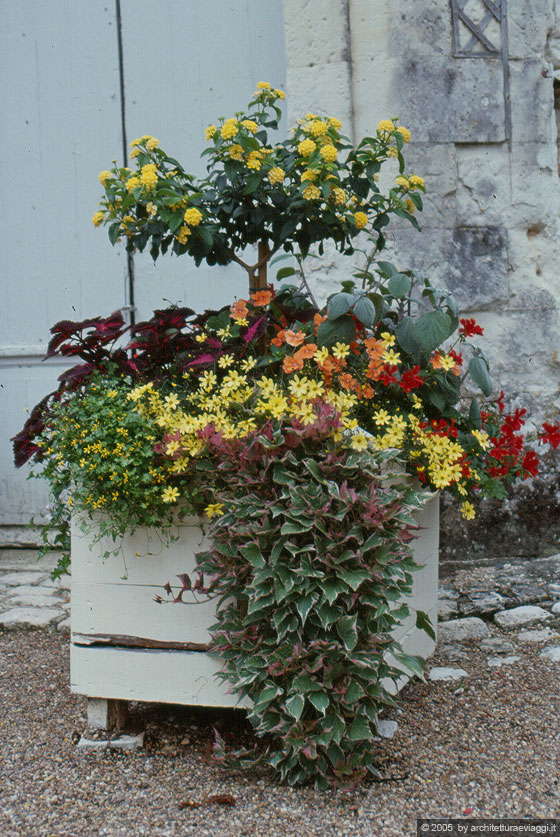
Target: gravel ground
{"x": 491, "y": 744}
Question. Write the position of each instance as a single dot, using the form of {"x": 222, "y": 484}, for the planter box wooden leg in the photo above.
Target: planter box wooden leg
{"x": 106, "y": 713}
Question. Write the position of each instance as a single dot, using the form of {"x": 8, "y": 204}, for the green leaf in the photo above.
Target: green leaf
{"x": 319, "y": 700}
{"x": 253, "y": 555}
{"x": 253, "y": 182}
{"x": 431, "y": 329}
{"x": 413, "y": 664}
{"x": 313, "y": 468}
{"x": 304, "y": 605}
{"x": 365, "y": 311}
{"x": 478, "y": 370}
{"x": 406, "y": 335}
{"x": 338, "y": 305}
{"x": 355, "y": 577}
{"x": 386, "y": 269}
{"x": 474, "y": 413}
{"x": 423, "y": 622}
{"x": 332, "y": 589}
{"x": 294, "y": 706}
{"x": 284, "y": 272}
{"x": 346, "y": 627}
{"x": 291, "y": 528}
{"x": 283, "y": 589}
{"x": 205, "y": 234}
{"x": 360, "y": 730}
{"x": 341, "y": 330}
{"x": 399, "y": 285}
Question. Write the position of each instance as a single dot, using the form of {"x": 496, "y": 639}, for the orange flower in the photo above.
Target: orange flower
{"x": 261, "y": 298}
{"x": 294, "y": 338}
{"x": 292, "y": 364}
{"x": 367, "y": 391}
{"x": 375, "y": 348}
{"x": 279, "y": 339}
{"x": 306, "y": 352}
{"x": 374, "y": 370}
{"x": 318, "y": 319}
{"x": 239, "y": 309}
{"x": 347, "y": 381}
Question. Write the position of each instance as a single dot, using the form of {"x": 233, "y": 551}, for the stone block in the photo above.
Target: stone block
{"x": 529, "y": 22}
{"x": 437, "y": 165}
{"x": 532, "y": 103}
{"x": 316, "y": 32}
{"x": 371, "y": 25}
{"x": 30, "y": 617}
{"x": 498, "y": 662}
{"x": 17, "y": 579}
{"x": 535, "y": 186}
{"x": 427, "y": 25}
{"x": 552, "y": 653}
{"x": 542, "y": 635}
{"x": 519, "y": 616}
{"x": 450, "y": 99}
{"x": 372, "y": 85}
{"x": 460, "y": 629}
{"x": 444, "y": 673}
{"x": 323, "y": 89}
{"x": 425, "y": 251}
{"x": 477, "y": 262}
{"x": 483, "y": 184}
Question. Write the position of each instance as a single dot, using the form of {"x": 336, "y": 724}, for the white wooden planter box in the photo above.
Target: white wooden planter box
{"x": 125, "y": 646}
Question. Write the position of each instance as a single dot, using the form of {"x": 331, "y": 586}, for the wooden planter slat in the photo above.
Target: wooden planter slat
{"x": 125, "y": 646}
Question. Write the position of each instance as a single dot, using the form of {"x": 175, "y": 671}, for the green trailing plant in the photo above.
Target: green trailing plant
{"x": 310, "y": 565}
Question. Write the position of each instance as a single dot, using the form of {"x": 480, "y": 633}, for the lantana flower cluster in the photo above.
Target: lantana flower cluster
{"x": 314, "y": 177}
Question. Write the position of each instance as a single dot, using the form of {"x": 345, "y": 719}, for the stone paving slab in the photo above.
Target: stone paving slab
{"x": 28, "y": 596}
{"x": 31, "y": 617}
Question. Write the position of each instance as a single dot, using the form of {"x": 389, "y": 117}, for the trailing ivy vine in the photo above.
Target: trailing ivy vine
{"x": 310, "y": 565}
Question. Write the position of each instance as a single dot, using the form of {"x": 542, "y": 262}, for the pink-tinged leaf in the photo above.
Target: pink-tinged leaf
{"x": 255, "y": 329}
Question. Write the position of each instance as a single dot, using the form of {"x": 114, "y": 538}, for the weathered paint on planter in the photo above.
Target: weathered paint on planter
{"x": 125, "y": 646}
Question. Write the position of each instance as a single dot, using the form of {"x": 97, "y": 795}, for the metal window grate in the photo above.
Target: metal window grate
{"x": 479, "y": 29}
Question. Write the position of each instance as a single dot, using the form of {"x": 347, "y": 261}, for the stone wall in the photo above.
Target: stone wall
{"x": 485, "y": 138}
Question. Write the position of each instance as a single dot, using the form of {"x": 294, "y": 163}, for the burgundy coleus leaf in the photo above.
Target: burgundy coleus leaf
{"x": 23, "y": 445}
{"x": 104, "y": 330}
{"x": 204, "y": 360}
{"x": 77, "y": 374}
{"x": 256, "y": 329}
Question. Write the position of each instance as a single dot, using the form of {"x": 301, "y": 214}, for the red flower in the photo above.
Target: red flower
{"x": 411, "y": 379}
{"x": 469, "y": 327}
{"x": 388, "y": 375}
{"x": 531, "y": 463}
{"x": 550, "y": 434}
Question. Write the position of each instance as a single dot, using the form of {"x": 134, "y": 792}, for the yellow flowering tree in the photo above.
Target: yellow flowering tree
{"x": 279, "y": 195}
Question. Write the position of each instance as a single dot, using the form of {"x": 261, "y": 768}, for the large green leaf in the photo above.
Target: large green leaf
{"x": 339, "y": 304}
{"x": 478, "y": 370}
{"x": 347, "y": 631}
{"x": 319, "y": 700}
{"x": 423, "y": 622}
{"x": 365, "y": 311}
{"x": 294, "y": 706}
{"x": 253, "y": 555}
{"x": 341, "y": 330}
{"x": 304, "y": 605}
{"x": 399, "y": 285}
{"x": 360, "y": 730}
{"x": 431, "y": 329}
